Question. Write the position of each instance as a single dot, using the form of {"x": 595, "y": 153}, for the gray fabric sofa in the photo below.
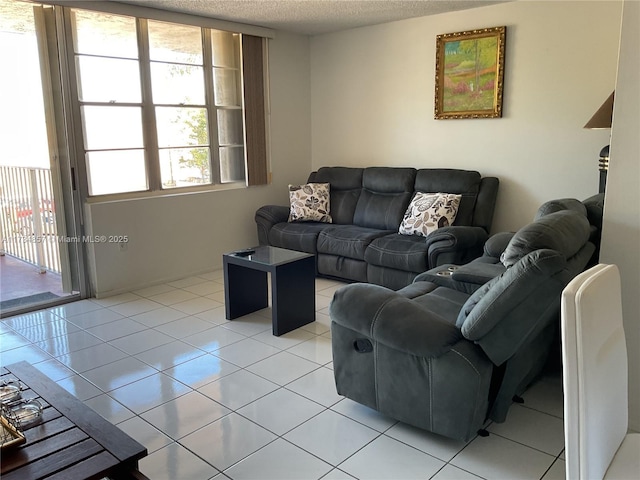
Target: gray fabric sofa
{"x": 451, "y": 350}
{"x": 367, "y": 205}
{"x": 471, "y": 276}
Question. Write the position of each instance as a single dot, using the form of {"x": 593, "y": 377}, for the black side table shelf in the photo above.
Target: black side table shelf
{"x": 293, "y": 275}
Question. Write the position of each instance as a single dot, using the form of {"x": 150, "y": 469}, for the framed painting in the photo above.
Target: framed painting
{"x": 470, "y": 73}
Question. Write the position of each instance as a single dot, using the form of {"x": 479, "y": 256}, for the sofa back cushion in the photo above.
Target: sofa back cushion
{"x": 385, "y": 196}
{"x": 565, "y": 231}
{"x": 541, "y": 259}
{"x": 345, "y": 187}
{"x": 506, "y": 311}
{"x": 560, "y": 204}
{"x": 445, "y": 180}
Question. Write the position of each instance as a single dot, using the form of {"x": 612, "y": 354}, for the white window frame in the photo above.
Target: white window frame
{"x": 142, "y": 14}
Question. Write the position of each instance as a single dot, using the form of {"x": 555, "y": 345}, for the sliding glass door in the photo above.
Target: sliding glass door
{"x": 41, "y": 264}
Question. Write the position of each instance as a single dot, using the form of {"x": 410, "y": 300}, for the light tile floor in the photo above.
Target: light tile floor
{"x": 211, "y": 398}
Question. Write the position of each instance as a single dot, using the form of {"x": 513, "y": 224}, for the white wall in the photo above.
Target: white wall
{"x": 621, "y": 229}
{"x": 372, "y": 97}
{"x": 177, "y": 236}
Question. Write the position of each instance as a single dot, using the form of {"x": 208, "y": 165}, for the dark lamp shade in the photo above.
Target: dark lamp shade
{"x": 602, "y": 118}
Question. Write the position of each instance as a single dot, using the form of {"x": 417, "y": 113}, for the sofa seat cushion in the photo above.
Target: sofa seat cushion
{"x": 348, "y": 241}
{"x": 302, "y": 236}
{"x": 445, "y": 301}
{"x": 401, "y": 252}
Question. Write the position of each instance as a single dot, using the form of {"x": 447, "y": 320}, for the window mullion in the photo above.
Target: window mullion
{"x": 212, "y": 113}
{"x": 148, "y": 111}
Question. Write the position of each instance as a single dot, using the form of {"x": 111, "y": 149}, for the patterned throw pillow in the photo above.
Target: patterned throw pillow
{"x": 429, "y": 211}
{"x": 309, "y": 203}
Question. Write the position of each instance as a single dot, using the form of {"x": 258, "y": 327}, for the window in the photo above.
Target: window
{"x": 165, "y": 106}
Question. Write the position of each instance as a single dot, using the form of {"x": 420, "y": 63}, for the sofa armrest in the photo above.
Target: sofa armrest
{"x": 465, "y": 278}
{"x": 456, "y": 244}
{"x": 266, "y": 217}
{"x": 392, "y": 319}
{"x": 497, "y": 244}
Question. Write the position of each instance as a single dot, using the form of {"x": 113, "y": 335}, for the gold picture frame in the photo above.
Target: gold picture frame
{"x": 470, "y": 73}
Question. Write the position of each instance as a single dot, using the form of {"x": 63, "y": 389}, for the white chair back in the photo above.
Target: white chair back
{"x": 595, "y": 374}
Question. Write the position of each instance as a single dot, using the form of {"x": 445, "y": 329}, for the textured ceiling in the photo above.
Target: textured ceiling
{"x": 312, "y": 17}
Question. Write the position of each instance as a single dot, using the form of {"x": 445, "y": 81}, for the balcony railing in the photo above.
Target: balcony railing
{"x": 28, "y": 217}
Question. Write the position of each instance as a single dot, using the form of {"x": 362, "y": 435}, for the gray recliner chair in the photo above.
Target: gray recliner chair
{"x": 470, "y": 277}
{"x": 446, "y": 355}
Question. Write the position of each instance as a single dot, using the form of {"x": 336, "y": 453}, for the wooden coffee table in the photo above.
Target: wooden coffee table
{"x": 71, "y": 441}
{"x": 293, "y": 277}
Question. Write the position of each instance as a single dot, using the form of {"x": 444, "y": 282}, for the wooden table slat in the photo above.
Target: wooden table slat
{"x": 95, "y": 467}
{"x": 32, "y": 452}
{"x": 70, "y": 441}
{"x": 112, "y": 439}
{"x": 57, "y": 462}
{"x": 47, "y": 429}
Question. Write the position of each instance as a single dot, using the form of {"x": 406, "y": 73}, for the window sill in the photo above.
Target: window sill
{"x": 118, "y": 197}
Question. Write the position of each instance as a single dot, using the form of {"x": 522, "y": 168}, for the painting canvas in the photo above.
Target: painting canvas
{"x": 469, "y": 74}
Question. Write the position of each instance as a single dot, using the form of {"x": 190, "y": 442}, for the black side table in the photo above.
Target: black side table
{"x": 293, "y": 276}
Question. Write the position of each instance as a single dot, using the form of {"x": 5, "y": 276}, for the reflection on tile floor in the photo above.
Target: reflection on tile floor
{"x": 211, "y": 398}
